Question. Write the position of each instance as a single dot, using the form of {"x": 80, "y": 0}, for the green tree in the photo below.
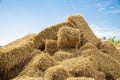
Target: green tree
{"x": 113, "y": 40}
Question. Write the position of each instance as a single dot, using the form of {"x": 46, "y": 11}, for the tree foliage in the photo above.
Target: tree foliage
{"x": 113, "y": 39}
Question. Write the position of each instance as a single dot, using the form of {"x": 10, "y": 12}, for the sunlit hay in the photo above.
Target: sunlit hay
{"x": 36, "y": 51}
{"x": 75, "y": 52}
{"x": 118, "y": 79}
{"x": 82, "y": 66}
{"x": 68, "y": 37}
{"x": 38, "y": 65}
{"x": 44, "y": 61}
{"x": 86, "y": 33}
{"x": 108, "y": 48}
{"x": 80, "y": 78}
{"x": 27, "y": 78}
{"x": 21, "y": 41}
{"x": 15, "y": 55}
{"x": 102, "y": 61}
{"x": 30, "y": 69}
{"x": 88, "y": 45}
{"x": 56, "y": 73}
{"x": 60, "y": 55}
{"x": 49, "y": 33}
{"x": 87, "y": 48}
{"x": 51, "y": 46}
{"x": 118, "y": 47}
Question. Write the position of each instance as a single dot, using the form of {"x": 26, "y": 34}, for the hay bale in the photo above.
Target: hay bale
{"x": 15, "y": 55}
{"x": 31, "y": 71}
{"x": 51, "y": 46}
{"x": 80, "y": 78}
{"x": 49, "y": 33}
{"x": 75, "y": 52}
{"x": 108, "y": 48}
{"x": 27, "y": 78}
{"x": 38, "y": 65}
{"x": 56, "y": 73}
{"x": 68, "y": 37}
{"x": 60, "y": 55}
{"x": 102, "y": 61}
{"x": 36, "y": 51}
{"x": 82, "y": 66}
{"x": 86, "y": 33}
{"x": 43, "y": 61}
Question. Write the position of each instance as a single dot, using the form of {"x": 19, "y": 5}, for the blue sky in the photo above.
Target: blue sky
{"x": 20, "y": 17}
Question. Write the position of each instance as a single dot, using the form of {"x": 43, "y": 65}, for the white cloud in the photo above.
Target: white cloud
{"x": 101, "y": 9}
{"x": 104, "y": 3}
{"x": 108, "y": 7}
{"x": 102, "y": 32}
{"x": 115, "y": 11}
{"x": 3, "y": 42}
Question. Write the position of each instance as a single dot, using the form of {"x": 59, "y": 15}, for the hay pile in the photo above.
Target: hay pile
{"x": 118, "y": 47}
{"x": 108, "y": 47}
{"x": 14, "y": 56}
{"x": 80, "y": 78}
{"x": 65, "y": 51}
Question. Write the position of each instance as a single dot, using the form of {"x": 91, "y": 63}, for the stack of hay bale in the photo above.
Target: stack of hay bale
{"x": 66, "y": 51}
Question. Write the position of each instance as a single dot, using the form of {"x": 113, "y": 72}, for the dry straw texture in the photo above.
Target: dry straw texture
{"x": 118, "y": 47}
{"x": 102, "y": 61}
{"x": 118, "y": 79}
{"x": 80, "y": 78}
{"x": 51, "y": 46}
{"x": 86, "y": 33}
{"x": 75, "y": 52}
{"x": 68, "y": 37}
{"x": 38, "y": 65}
{"x": 49, "y": 33}
{"x": 15, "y": 55}
{"x": 82, "y": 66}
{"x": 43, "y": 61}
{"x": 32, "y": 69}
{"x": 60, "y": 55}
{"x": 108, "y": 48}
{"x": 56, "y": 73}
{"x": 27, "y": 78}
